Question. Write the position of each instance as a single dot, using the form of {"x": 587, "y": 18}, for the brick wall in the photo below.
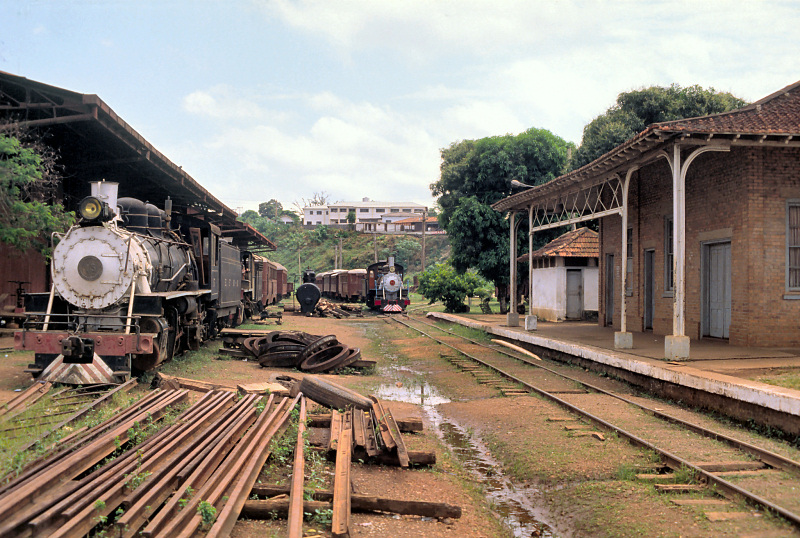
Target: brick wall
{"x": 738, "y": 196}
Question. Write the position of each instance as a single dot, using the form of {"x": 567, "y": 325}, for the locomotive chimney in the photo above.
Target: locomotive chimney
{"x": 168, "y": 211}
{"x": 106, "y": 191}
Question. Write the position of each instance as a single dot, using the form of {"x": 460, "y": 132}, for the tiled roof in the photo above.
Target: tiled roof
{"x": 774, "y": 119}
{"x": 778, "y": 113}
{"x": 412, "y": 220}
{"x": 579, "y": 243}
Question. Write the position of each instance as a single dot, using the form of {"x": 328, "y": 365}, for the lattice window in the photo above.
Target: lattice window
{"x": 793, "y": 246}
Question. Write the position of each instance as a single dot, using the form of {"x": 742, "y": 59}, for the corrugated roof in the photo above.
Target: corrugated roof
{"x": 579, "y": 243}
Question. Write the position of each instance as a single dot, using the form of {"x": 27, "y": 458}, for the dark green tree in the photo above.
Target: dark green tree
{"x": 351, "y": 217}
{"x": 477, "y": 173}
{"x": 634, "y": 111}
{"x": 271, "y": 209}
{"x": 29, "y": 209}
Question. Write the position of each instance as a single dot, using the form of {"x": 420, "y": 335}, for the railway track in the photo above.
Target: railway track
{"x": 720, "y": 461}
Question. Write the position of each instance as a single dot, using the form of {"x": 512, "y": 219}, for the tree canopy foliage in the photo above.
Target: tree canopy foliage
{"x": 443, "y": 283}
{"x": 29, "y": 211}
{"x": 271, "y": 209}
{"x": 634, "y": 111}
{"x": 477, "y": 173}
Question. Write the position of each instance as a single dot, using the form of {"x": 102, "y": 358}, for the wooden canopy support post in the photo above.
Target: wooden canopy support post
{"x": 531, "y": 319}
{"x": 623, "y": 339}
{"x": 676, "y": 345}
{"x": 512, "y": 318}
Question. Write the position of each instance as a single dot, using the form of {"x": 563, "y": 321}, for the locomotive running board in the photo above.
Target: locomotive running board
{"x": 91, "y": 373}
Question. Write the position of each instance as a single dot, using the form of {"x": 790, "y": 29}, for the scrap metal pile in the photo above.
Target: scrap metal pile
{"x": 292, "y": 349}
{"x": 197, "y": 472}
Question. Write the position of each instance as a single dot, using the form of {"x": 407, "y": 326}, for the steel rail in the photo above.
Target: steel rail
{"x": 770, "y": 458}
{"x": 670, "y": 459}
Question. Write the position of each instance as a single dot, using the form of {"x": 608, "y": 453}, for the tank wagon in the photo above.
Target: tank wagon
{"x": 129, "y": 291}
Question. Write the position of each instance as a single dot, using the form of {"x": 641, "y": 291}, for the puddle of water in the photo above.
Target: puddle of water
{"x": 512, "y": 503}
{"x": 416, "y": 393}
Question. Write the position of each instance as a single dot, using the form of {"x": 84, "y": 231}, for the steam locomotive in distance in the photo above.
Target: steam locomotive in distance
{"x": 129, "y": 291}
{"x": 380, "y": 285}
{"x": 385, "y": 289}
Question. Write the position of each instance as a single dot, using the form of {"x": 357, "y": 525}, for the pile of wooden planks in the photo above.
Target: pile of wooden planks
{"x": 208, "y": 458}
{"x": 351, "y": 435}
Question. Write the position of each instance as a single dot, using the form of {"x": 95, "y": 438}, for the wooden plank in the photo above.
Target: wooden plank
{"x": 678, "y": 488}
{"x": 263, "y": 388}
{"x": 358, "y": 503}
{"x": 336, "y": 427}
{"x": 340, "y": 525}
{"x": 402, "y": 452}
{"x": 298, "y": 478}
{"x": 371, "y": 441}
{"x": 701, "y": 502}
{"x": 727, "y": 466}
{"x": 231, "y": 352}
{"x": 164, "y": 380}
{"x": 359, "y": 429}
{"x": 727, "y": 516}
{"x": 379, "y": 417}
{"x": 406, "y": 424}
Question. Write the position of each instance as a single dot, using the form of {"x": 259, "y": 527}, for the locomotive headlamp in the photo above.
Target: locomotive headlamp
{"x": 92, "y": 208}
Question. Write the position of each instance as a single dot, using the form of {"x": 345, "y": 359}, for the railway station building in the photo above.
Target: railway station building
{"x": 699, "y": 227}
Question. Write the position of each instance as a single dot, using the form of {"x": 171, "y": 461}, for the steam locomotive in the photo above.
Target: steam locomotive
{"x": 129, "y": 291}
{"x": 385, "y": 289}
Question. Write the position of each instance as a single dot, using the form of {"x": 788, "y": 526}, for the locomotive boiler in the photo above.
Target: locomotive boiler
{"x": 129, "y": 291}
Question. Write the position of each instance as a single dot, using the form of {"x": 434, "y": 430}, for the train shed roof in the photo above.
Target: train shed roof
{"x": 94, "y": 143}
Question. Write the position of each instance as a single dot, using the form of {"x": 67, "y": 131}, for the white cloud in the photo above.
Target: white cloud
{"x": 223, "y": 102}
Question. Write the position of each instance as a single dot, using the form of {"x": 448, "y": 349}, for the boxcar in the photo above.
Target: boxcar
{"x": 357, "y": 285}
{"x": 283, "y": 289}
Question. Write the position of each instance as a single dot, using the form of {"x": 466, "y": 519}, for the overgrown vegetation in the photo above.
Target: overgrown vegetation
{"x": 29, "y": 179}
{"x": 442, "y": 283}
{"x": 299, "y": 248}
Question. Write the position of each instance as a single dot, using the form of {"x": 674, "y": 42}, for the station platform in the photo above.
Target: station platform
{"x": 717, "y": 375}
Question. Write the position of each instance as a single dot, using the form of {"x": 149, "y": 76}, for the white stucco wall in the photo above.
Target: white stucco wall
{"x": 550, "y": 291}
{"x": 591, "y": 288}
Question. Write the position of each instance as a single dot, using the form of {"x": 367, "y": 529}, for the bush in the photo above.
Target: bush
{"x": 442, "y": 283}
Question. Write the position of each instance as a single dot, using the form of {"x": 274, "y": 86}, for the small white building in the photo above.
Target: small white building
{"x": 565, "y": 277}
{"x": 366, "y": 211}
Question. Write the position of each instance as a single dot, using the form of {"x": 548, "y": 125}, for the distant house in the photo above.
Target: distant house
{"x": 414, "y": 224}
{"x": 366, "y": 211}
{"x": 565, "y": 277}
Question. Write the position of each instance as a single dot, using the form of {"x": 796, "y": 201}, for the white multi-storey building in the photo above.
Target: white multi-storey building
{"x": 366, "y": 211}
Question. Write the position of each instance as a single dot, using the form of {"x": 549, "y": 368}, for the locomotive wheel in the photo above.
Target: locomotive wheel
{"x": 318, "y": 344}
{"x": 331, "y": 395}
{"x": 355, "y": 354}
{"x": 326, "y": 359}
{"x": 284, "y": 359}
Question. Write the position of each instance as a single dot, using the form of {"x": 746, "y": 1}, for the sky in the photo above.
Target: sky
{"x": 284, "y": 99}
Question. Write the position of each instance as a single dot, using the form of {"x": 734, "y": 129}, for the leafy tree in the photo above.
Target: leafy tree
{"x": 29, "y": 210}
{"x": 351, "y": 217}
{"x": 248, "y": 216}
{"x": 637, "y": 109}
{"x": 271, "y": 209}
{"x": 443, "y": 283}
{"x": 477, "y": 173}
{"x": 406, "y": 249}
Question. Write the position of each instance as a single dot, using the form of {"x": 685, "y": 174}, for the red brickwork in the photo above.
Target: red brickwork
{"x": 738, "y": 196}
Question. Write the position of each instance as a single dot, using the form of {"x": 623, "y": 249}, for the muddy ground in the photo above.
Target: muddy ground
{"x": 557, "y": 483}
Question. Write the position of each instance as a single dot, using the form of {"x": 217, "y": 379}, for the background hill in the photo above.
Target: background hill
{"x": 299, "y": 249}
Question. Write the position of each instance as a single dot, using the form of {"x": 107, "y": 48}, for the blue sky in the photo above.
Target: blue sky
{"x": 262, "y": 99}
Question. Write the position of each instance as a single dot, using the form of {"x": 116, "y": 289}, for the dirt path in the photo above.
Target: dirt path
{"x": 574, "y": 485}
